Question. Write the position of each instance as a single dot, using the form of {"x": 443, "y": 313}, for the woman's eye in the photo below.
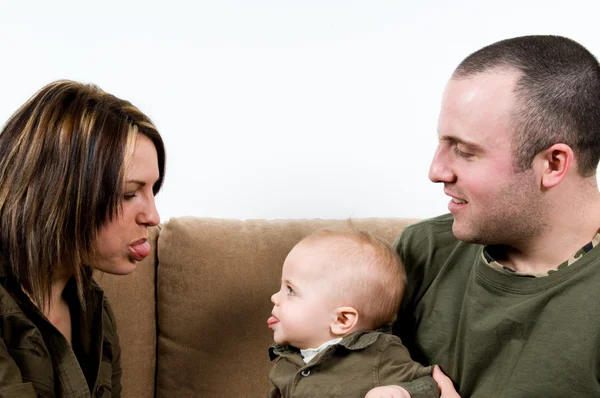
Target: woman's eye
{"x": 129, "y": 196}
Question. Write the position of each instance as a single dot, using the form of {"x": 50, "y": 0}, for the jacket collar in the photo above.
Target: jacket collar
{"x": 352, "y": 342}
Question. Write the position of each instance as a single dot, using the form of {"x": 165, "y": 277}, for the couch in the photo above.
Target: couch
{"x": 192, "y": 317}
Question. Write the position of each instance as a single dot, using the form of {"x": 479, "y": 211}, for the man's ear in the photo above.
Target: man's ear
{"x": 556, "y": 162}
{"x": 345, "y": 320}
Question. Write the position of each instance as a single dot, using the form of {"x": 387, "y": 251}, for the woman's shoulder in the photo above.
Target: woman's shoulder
{"x": 17, "y": 330}
{"x": 8, "y": 304}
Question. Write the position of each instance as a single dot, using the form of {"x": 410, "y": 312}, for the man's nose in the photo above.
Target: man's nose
{"x": 441, "y": 169}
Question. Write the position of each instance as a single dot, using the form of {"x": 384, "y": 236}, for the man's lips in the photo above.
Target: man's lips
{"x": 272, "y": 321}
{"x": 455, "y": 206}
{"x": 139, "y": 249}
{"x": 456, "y": 198}
{"x": 456, "y": 202}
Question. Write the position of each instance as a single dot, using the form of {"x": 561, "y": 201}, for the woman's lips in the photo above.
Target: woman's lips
{"x": 139, "y": 250}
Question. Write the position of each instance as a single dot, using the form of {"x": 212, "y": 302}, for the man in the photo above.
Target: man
{"x": 504, "y": 293}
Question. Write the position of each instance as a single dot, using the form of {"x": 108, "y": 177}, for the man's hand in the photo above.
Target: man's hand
{"x": 444, "y": 383}
{"x": 388, "y": 392}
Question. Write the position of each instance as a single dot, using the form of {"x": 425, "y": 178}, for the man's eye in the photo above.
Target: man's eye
{"x": 462, "y": 154}
{"x": 291, "y": 291}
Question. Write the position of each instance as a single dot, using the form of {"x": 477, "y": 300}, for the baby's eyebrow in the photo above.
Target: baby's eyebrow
{"x": 288, "y": 282}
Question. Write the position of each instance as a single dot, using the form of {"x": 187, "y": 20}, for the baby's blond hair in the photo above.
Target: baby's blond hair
{"x": 368, "y": 273}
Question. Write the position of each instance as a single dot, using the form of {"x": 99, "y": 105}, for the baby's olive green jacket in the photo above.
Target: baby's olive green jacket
{"x": 37, "y": 361}
{"x": 360, "y": 362}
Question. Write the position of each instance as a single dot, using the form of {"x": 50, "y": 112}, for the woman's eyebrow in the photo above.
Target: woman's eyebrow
{"x": 138, "y": 182}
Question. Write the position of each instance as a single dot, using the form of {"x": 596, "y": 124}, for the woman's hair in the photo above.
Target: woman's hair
{"x": 62, "y": 160}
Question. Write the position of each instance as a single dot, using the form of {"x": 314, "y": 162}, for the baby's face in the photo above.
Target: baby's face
{"x": 303, "y": 307}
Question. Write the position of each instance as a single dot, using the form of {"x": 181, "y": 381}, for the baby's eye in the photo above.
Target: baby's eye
{"x": 291, "y": 291}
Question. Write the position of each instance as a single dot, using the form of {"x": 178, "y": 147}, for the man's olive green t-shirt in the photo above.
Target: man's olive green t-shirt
{"x": 496, "y": 334}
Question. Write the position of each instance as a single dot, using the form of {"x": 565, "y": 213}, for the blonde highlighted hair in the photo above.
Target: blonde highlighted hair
{"x": 62, "y": 160}
{"x": 369, "y": 275}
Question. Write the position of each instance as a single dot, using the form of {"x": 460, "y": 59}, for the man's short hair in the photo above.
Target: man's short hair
{"x": 558, "y": 95}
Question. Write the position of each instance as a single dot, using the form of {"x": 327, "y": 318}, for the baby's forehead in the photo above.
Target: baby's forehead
{"x": 326, "y": 254}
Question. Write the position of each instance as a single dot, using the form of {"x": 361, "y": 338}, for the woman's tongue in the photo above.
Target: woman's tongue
{"x": 139, "y": 251}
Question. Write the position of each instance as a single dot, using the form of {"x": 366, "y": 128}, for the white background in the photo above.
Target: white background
{"x": 277, "y": 109}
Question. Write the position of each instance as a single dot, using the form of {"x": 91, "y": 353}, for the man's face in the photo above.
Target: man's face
{"x": 491, "y": 203}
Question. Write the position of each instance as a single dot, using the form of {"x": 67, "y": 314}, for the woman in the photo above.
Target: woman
{"x": 79, "y": 169}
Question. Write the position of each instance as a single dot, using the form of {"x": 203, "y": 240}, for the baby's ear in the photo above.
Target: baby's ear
{"x": 345, "y": 320}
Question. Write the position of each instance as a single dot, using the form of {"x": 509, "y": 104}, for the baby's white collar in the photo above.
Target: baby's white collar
{"x": 310, "y": 353}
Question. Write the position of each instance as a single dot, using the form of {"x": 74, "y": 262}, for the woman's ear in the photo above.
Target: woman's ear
{"x": 555, "y": 163}
{"x": 346, "y": 318}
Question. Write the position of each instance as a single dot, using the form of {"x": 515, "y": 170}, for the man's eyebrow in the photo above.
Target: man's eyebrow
{"x": 470, "y": 145}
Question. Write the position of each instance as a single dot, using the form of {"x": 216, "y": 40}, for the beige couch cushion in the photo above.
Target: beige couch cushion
{"x": 132, "y": 299}
{"x": 215, "y": 280}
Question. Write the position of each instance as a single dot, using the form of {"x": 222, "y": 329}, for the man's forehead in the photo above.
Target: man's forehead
{"x": 487, "y": 73}
{"x": 478, "y": 109}
{"x": 483, "y": 85}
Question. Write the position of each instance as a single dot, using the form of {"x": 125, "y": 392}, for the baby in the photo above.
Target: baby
{"x": 340, "y": 291}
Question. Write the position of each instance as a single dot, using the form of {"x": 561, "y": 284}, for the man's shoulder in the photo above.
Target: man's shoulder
{"x": 435, "y": 231}
{"x": 430, "y": 245}
{"x": 439, "y": 223}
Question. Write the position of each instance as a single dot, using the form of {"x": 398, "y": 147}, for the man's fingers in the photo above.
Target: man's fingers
{"x": 439, "y": 376}
{"x": 388, "y": 392}
{"x": 444, "y": 383}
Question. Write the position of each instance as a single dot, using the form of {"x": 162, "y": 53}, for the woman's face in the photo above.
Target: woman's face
{"x": 123, "y": 241}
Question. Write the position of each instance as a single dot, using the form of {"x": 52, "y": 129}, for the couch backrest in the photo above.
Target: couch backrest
{"x": 133, "y": 300}
{"x": 214, "y": 283}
